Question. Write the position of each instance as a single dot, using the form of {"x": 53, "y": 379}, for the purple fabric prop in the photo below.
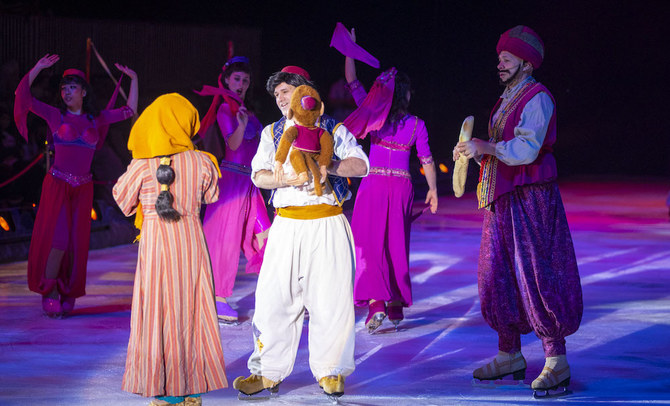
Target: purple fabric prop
{"x": 372, "y": 113}
{"x": 343, "y": 43}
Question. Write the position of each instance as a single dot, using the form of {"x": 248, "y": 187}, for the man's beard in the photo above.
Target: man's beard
{"x": 511, "y": 79}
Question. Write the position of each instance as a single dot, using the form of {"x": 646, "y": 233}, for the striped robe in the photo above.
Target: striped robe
{"x": 175, "y": 345}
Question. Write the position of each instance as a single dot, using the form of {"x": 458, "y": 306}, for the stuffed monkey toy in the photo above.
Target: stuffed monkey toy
{"x": 311, "y": 145}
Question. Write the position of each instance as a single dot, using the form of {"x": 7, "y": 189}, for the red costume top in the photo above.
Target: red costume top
{"x": 75, "y": 137}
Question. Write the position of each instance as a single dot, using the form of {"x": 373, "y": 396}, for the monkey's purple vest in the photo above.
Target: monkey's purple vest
{"x": 308, "y": 139}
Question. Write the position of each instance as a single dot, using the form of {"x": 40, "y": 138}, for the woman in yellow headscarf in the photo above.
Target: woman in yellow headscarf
{"x": 174, "y": 351}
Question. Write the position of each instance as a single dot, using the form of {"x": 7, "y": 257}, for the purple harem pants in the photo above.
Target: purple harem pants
{"x": 528, "y": 277}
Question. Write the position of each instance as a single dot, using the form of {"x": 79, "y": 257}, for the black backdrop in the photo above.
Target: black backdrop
{"x": 605, "y": 62}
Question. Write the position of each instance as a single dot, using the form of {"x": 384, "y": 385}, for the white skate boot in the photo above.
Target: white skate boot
{"x": 554, "y": 378}
{"x": 502, "y": 365}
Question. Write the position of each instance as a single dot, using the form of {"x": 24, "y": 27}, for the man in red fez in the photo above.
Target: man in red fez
{"x": 309, "y": 259}
{"x": 527, "y": 273}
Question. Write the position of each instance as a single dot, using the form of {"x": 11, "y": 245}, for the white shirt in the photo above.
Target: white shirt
{"x": 345, "y": 147}
{"x": 531, "y": 130}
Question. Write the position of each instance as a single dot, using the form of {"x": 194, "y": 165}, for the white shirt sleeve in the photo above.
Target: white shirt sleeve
{"x": 529, "y": 133}
{"x": 347, "y": 147}
{"x": 265, "y": 154}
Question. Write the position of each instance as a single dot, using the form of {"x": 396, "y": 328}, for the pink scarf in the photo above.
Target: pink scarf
{"x": 220, "y": 94}
{"x": 371, "y": 114}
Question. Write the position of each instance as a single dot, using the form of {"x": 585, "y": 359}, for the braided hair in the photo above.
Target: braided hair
{"x": 165, "y": 175}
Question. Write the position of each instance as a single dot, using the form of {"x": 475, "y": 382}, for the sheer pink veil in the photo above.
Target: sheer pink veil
{"x": 371, "y": 114}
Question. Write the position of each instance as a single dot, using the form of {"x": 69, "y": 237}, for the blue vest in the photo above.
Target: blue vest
{"x": 339, "y": 185}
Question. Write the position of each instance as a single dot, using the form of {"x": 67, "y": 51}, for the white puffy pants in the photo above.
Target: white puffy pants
{"x": 308, "y": 264}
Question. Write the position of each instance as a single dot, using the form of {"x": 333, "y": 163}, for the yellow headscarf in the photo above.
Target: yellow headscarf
{"x": 164, "y": 128}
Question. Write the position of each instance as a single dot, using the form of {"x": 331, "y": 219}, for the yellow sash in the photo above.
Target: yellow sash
{"x": 312, "y": 212}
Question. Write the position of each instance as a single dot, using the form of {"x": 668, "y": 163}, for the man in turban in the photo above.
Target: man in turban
{"x": 528, "y": 277}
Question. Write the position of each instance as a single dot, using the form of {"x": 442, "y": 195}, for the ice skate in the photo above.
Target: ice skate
{"x": 159, "y": 402}
{"x": 554, "y": 378}
{"x": 225, "y": 313}
{"x": 376, "y": 314}
{"x": 250, "y": 388}
{"x": 67, "y": 305}
{"x": 333, "y": 386}
{"x": 503, "y": 364}
{"x": 193, "y": 401}
{"x": 395, "y": 314}
{"x": 51, "y": 307}
{"x": 50, "y": 302}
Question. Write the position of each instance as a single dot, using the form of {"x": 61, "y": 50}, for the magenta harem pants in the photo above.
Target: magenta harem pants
{"x": 63, "y": 222}
{"x": 528, "y": 277}
{"x": 381, "y": 225}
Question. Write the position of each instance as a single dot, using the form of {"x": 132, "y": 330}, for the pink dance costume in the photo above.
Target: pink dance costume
{"x": 382, "y": 211}
{"x": 64, "y": 221}
{"x": 232, "y": 223}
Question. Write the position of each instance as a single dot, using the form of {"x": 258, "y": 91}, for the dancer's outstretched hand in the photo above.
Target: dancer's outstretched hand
{"x": 47, "y": 61}
{"x": 352, "y": 35}
{"x": 123, "y": 68}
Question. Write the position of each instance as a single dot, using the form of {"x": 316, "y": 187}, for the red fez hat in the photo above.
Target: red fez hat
{"x": 296, "y": 70}
{"x": 75, "y": 72}
{"x": 524, "y": 43}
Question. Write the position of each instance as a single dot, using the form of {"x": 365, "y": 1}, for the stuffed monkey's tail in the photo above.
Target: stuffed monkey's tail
{"x": 316, "y": 174}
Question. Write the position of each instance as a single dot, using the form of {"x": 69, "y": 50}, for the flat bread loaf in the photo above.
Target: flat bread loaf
{"x": 461, "y": 165}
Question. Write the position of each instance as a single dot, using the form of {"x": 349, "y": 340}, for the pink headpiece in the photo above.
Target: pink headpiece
{"x": 75, "y": 72}
{"x": 524, "y": 43}
{"x": 296, "y": 70}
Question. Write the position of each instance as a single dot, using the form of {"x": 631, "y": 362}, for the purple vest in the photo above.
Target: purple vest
{"x": 497, "y": 178}
{"x": 308, "y": 139}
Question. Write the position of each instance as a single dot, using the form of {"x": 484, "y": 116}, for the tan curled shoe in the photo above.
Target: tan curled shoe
{"x": 193, "y": 401}
{"x": 158, "y": 402}
{"x": 502, "y": 365}
{"x": 554, "y": 375}
{"x": 255, "y": 384}
{"x": 332, "y": 385}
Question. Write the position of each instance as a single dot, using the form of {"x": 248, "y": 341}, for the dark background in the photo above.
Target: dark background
{"x": 605, "y": 62}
